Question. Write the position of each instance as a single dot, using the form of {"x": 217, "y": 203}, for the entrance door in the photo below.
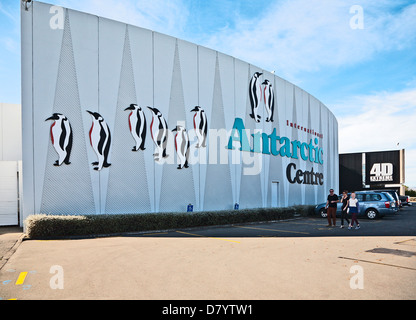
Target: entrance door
{"x": 275, "y": 194}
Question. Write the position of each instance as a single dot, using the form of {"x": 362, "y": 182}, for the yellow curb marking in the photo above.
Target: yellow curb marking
{"x": 21, "y": 279}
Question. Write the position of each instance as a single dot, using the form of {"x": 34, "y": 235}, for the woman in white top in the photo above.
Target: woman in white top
{"x": 353, "y": 206}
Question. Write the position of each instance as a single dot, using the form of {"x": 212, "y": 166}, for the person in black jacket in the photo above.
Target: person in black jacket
{"x": 344, "y": 208}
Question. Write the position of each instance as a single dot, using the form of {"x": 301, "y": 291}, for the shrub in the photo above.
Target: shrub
{"x": 44, "y": 226}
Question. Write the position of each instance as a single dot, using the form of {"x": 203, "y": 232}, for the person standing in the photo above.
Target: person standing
{"x": 344, "y": 208}
{"x": 354, "y": 208}
{"x": 331, "y": 206}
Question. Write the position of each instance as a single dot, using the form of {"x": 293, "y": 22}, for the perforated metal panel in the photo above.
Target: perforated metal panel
{"x": 67, "y": 189}
{"x": 127, "y": 190}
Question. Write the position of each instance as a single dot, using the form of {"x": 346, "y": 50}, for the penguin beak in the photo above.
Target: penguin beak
{"x": 54, "y": 117}
{"x": 264, "y": 82}
{"x": 176, "y": 129}
{"x": 194, "y": 109}
{"x": 154, "y": 110}
{"x": 91, "y": 113}
{"x": 129, "y": 108}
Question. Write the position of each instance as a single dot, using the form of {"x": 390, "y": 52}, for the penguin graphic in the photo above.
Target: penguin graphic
{"x": 255, "y": 95}
{"x": 200, "y": 126}
{"x": 268, "y": 100}
{"x": 159, "y": 132}
{"x": 61, "y": 137}
{"x": 182, "y": 146}
{"x": 100, "y": 139}
{"x": 137, "y": 125}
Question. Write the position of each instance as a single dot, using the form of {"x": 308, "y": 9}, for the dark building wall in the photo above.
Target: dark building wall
{"x": 350, "y": 172}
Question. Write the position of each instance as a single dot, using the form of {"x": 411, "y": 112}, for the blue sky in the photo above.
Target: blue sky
{"x": 366, "y": 76}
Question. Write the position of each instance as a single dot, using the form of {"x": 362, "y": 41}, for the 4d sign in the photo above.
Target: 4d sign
{"x": 381, "y": 172}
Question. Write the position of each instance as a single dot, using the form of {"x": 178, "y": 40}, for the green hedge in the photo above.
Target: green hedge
{"x": 59, "y": 226}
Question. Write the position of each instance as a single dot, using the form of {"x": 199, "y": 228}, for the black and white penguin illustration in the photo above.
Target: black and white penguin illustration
{"x": 137, "y": 125}
{"x": 61, "y": 137}
{"x": 200, "y": 126}
{"x": 182, "y": 145}
{"x": 268, "y": 100}
{"x": 100, "y": 139}
{"x": 159, "y": 132}
{"x": 255, "y": 95}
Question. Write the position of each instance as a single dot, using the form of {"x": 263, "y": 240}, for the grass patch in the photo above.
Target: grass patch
{"x": 44, "y": 226}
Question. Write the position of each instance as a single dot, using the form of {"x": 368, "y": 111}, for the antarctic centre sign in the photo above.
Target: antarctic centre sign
{"x": 272, "y": 144}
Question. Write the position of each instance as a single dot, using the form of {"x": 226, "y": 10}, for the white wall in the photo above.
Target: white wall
{"x": 10, "y": 132}
{"x": 10, "y": 161}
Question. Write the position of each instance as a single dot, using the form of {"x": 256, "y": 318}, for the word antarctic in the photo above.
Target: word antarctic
{"x": 268, "y": 144}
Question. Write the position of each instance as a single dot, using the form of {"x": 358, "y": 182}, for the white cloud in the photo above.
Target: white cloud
{"x": 379, "y": 122}
{"x": 159, "y": 15}
{"x": 302, "y": 35}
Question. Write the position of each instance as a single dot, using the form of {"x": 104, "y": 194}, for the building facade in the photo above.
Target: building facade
{"x": 119, "y": 119}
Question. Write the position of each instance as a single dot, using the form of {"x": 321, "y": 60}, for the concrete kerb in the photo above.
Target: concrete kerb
{"x": 10, "y": 251}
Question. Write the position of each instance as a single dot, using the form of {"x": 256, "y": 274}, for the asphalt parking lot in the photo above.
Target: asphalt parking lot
{"x": 294, "y": 259}
{"x": 402, "y": 223}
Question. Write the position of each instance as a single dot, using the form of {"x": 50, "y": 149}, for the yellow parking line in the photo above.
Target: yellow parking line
{"x": 198, "y": 235}
{"x": 154, "y": 234}
{"x": 21, "y": 279}
{"x": 276, "y": 230}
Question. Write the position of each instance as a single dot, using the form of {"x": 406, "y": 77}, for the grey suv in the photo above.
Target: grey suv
{"x": 373, "y": 204}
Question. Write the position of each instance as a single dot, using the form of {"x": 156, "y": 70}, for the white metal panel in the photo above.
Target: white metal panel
{"x": 27, "y": 113}
{"x": 206, "y": 79}
{"x": 8, "y": 193}
{"x": 10, "y": 132}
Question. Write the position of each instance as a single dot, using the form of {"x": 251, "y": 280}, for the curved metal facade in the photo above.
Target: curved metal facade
{"x": 112, "y": 94}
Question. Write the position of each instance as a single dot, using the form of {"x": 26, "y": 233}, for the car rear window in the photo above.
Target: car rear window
{"x": 389, "y": 196}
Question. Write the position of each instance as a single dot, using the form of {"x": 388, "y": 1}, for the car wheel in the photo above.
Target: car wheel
{"x": 371, "y": 214}
{"x": 323, "y": 213}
